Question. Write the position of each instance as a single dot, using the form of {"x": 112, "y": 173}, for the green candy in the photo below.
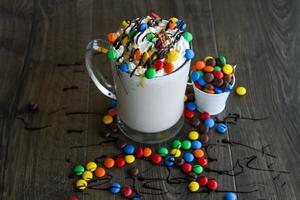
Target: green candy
{"x": 176, "y": 144}
{"x": 78, "y": 170}
{"x": 197, "y": 169}
{"x": 188, "y": 36}
{"x": 154, "y": 40}
{"x": 223, "y": 60}
{"x": 111, "y": 54}
{"x": 217, "y": 68}
{"x": 163, "y": 151}
{"x": 150, "y": 36}
{"x": 150, "y": 73}
{"x": 132, "y": 33}
{"x": 186, "y": 145}
{"x": 201, "y": 73}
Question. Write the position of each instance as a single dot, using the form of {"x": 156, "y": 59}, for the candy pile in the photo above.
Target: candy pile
{"x": 150, "y": 46}
{"x": 213, "y": 75}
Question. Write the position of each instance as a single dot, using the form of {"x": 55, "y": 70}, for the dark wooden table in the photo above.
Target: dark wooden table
{"x": 262, "y": 37}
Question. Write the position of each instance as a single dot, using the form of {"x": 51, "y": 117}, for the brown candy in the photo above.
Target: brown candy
{"x": 227, "y": 78}
{"x": 190, "y": 97}
{"x": 113, "y": 127}
{"x": 209, "y": 86}
{"x": 210, "y": 62}
{"x": 133, "y": 171}
{"x": 208, "y": 77}
{"x": 179, "y": 161}
{"x": 121, "y": 143}
{"x": 192, "y": 176}
{"x": 204, "y": 138}
{"x": 195, "y": 122}
{"x": 217, "y": 82}
{"x": 203, "y": 129}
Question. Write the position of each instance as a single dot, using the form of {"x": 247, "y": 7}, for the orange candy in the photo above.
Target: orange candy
{"x": 111, "y": 37}
{"x": 168, "y": 67}
{"x": 208, "y": 69}
{"x": 109, "y": 163}
{"x": 100, "y": 172}
{"x": 209, "y": 91}
{"x": 147, "y": 152}
{"x": 199, "y": 65}
{"x": 137, "y": 54}
{"x": 171, "y": 25}
{"x": 112, "y": 112}
{"x": 198, "y": 153}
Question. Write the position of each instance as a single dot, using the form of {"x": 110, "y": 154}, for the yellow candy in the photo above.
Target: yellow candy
{"x": 87, "y": 175}
{"x": 125, "y": 41}
{"x": 102, "y": 50}
{"x": 124, "y": 24}
{"x": 107, "y": 119}
{"x": 172, "y": 56}
{"x": 241, "y": 91}
{"x": 227, "y": 69}
{"x": 185, "y": 98}
{"x": 175, "y": 152}
{"x": 81, "y": 184}
{"x": 173, "y": 19}
{"x": 193, "y": 186}
{"x": 91, "y": 166}
{"x": 193, "y": 135}
{"x": 208, "y": 57}
{"x": 129, "y": 159}
{"x": 145, "y": 57}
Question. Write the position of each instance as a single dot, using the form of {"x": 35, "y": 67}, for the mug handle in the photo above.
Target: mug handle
{"x": 95, "y": 71}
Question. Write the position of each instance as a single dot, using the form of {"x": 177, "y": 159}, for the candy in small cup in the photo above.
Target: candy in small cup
{"x": 213, "y": 80}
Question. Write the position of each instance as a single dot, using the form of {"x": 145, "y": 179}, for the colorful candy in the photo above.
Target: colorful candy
{"x": 189, "y": 114}
{"x": 189, "y": 54}
{"x": 193, "y": 186}
{"x": 209, "y": 122}
{"x": 241, "y": 91}
{"x": 119, "y": 162}
{"x": 186, "y": 167}
{"x": 188, "y": 36}
{"x": 169, "y": 161}
{"x": 91, "y": 166}
{"x": 188, "y": 157}
{"x": 81, "y": 184}
{"x": 129, "y": 149}
{"x": 78, "y": 170}
{"x": 176, "y": 144}
{"x": 115, "y": 187}
{"x": 100, "y": 172}
{"x": 202, "y": 161}
{"x": 126, "y": 191}
{"x": 197, "y": 169}
{"x": 172, "y": 56}
{"x": 150, "y": 73}
{"x": 129, "y": 159}
{"x": 156, "y": 159}
{"x": 191, "y": 106}
{"x": 212, "y": 184}
{"x": 107, "y": 119}
{"x": 109, "y": 163}
{"x": 175, "y": 152}
{"x": 198, "y": 153}
{"x": 147, "y": 152}
{"x": 112, "y": 37}
{"x": 230, "y": 196}
{"x": 193, "y": 135}
{"x": 163, "y": 151}
{"x": 196, "y": 144}
{"x": 202, "y": 180}
{"x": 186, "y": 145}
{"x": 87, "y": 175}
{"x": 221, "y": 128}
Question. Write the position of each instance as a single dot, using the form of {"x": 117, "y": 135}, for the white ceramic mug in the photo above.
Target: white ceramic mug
{"x": 149, "y": 110}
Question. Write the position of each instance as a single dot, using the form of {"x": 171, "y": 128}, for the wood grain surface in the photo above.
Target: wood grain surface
{"x": 41, "y": 60}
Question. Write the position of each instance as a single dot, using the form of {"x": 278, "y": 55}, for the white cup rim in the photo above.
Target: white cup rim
{"x": 208, "y": 94}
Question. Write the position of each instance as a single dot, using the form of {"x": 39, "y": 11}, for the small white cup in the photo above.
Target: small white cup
{"x": 211, "y": 103}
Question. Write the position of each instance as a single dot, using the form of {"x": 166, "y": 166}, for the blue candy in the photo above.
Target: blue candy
{"x": 179, "y": 22}
{"x": 189, "y": 54}
{"x": 201, "y": 81}
{"x": 209, "y": 122}
{"x": 188, "y": 157}
{"x": 112, "y": 104}
{"x": 191, "y": 106}
{"x": 129, "y": 149}
{"x": 124, "y": 67}
{"x": 218, "y": 90}
{"x": 115, "y": 187}
{"x": 230, "y": 196}
{"x": 169, "y": 161}
{"x": 196, "y": 144}
{"x": 142, "y": 27}
{"x": 195, "y": 76}
{"x": 182, "y": 27}
{"x": 221, "y": 128}
{"x": 136, "y": 198}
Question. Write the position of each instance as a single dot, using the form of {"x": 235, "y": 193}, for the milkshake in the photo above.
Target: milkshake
{"x": 151, "y": 60}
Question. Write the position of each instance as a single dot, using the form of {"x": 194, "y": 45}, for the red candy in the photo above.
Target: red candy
{"x": 158, "y": 64}
{"x": 212, "y": 184}
{"x": 120, "y": 162}
{"x": 126, "y": 191}
{"x": 189, "y": 114}
{"x": 198, "y": 85}
{"x": 218, "y": 74}
{"x": 154, "y": 15}
{"x": 156, "y": 159}
{"x": 202, "y": 161}
{"x": 204, "y": 116}
{"x": 186, "y": 167}
{"x": 202, "y": 180}
{"x": 73, "y": 198}
{"x": 139, "y": 152}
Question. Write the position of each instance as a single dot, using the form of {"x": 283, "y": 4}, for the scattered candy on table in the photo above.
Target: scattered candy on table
{"x": 230, "y": 196}
{"x": 241, "y": 91}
